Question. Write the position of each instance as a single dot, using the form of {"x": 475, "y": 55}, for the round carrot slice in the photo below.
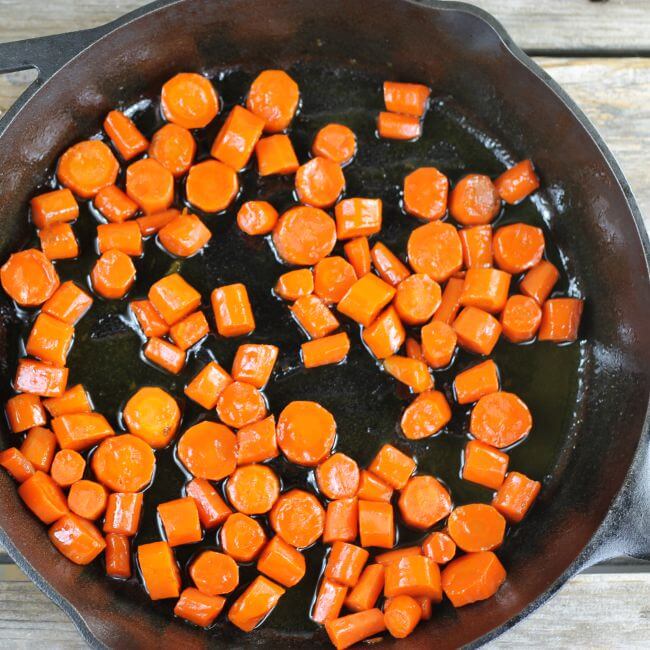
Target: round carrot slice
{"x": 207, "y": 450}
{"x": 306, "y": 432}
{"x": 68, "y": 467}
{"x": 417, "y": 298}
{"x": 153, "y": 415}
{"x": 438, "y": 343}
{"x": 240, "y": 404}
{"x": 474, "y": 200}
{"x": 401, "y": 615}
{"x": 113, "y": 274}
{"x": 439, "y": 547}
{"x": 150, "y": 185}
{"x": 338, "y": 477}
{"x": 500, "y": 419}
{"x": 426, "y": 415}
{"x": 253, "y": 489}
{"x": 214, "y": 573}
{"x": 423, "y": 502}
{"x": 425, "y": 193}
{"x": 319, "y": 182}
{"x": 476, "y": 527}
{"x": 274, "y": 97}
{"x": 189, "y": 100}
{"x": 518, "y": 247}
{"x": 333, "y": 276}
{"x": 257, "y": 217}
{"x": 87, "y": 499}
{"x": 336, "y": 142}
{"x": 29, "y": 277}
{"x": 174, "y": 147}
{"x": 435, "y": 249}
{"x": 87, "y": 167}
{"x": 211, "y": 186}
{"x": 242, "y": 537}
{"x": 304, "y": 235}
{"x": 124, "y": 463}
{"x": 472, "y": 577}
{"x": 520, "y": 318}
{"x": 298, "y": 518}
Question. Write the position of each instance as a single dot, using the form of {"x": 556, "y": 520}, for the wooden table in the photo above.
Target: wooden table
{"x": 600, "y": 53}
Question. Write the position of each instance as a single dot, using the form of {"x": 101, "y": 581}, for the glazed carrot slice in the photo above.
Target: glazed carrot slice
{"x": 24, "y": 412}
{"x": 365, "y": 299}
{"x": 153, "y": 415}
{"x": 376, "y": 524}
{"x": 411, "y": 372}
{"x": 439, "y": 547}
{"x": 68, "y": 467}
{"x": 395, "y": 126}
{"x": 237, "y": 138}
{"x": 338, "y": 477}
{"x": 125, "y": 237}
{"x": 500, "y": 419}
{"x": 415, "y": 575}
{"x": 438, "y": 343}
{"x": 114, "y": 204}
{"x": 372, "y": 488}
{"x": 29, "y": 278}
{"x": 124, "y": 463}
{"x": 50, "y": 340}
{"x": 392, "y": 466}
{"x": 414, "y": 349}
{"x": 150, "y": 185}
{"x": 68, "y": 303}
{"x": 477, "y": 331}
{"x": 306, "y": 433}
{"x": 295, "y": 284}
{"x": 388, "y": 265}
{"x": 113, "y": 274}
{"x": 58, "y": 206}
{"x": 43, "y": 497}
{"x": 477, "y": 246}
{"x": 190, "y": 330}
{"x": 435, "y": 249}
{"x": 274, "y": 97}
{"x": 450, "y": 302}
{"x": 150, "y": 321}
{"x": 336, "y": 142}
{"x": 39, "y": 447}
{"x": 174, "y": 298}
{"x": 118, "y": 556}
{"x": 325, "y": 351}
{"x": 518, "y": 247}
{"x": 282, "y": 562}
{"x": 539, "y": 281}
{"x": 257, "y": 442}
{"x": 87, "y": 499}
{"x": 123, "y": 513}
{"x": 242, "y": 537}
{"x": 314, "y": 316}
{"x": 426, "y": 415}
{"x": 358, "y": 217}
{"x": 358, "y": 253}
{"x": 423, "y": 502}
{"x": 189, "y": 100}
{"x": 346, "y": 631}
{"x": 165, "y": 355}
{"x": 257, "y": 217}
{"x": 472, "y": 577}
{"x": 213, "y": 510}
{"x": 410, "y": 99}
{"x": 198, "y": 608}
{"x": 385, "y": 335}
{"x": 484, "y": 464}
{"x": 474, "y": 200}
{"x": 211, "y": 186}
{"x": 255, "y": 604}
{"x": 14, "y": 461}
{"x": 150, "y": 224}
{"x": 180, "y": 521}
{"x": 333, "y": 276}
{"x": 40, "y": 378}
{"x": 254, "y": 363}
{"x": 319, "y": 182}
{"x": 515, "y": 496}
{"x": 126, "y": 136}
{"x": 561, "y": 320}
{"x": 471, "y": 384}
{"x": 367, "y": 590}
{"x": 207, "y": 450}
{"x": 516, "y": 183}
{"x": 304, "y": 235}
{"x": 425, "y": 193}
{"x": 77, "y": 539}
{"x": 214, "y": 573}
{"x": 253, "y": 489}
{"x": 86, "y": 167}
{"x": 402, "y": 615}
{"x": 159, "y": 570}
{"x": 345, "y": 563}
{"x": 486, "y": 289}
{"x": 396, "y": 555}
{"x": 184, "y": 236}
{"x": 329, "y": 601}
{"x": 174, "y": 147}
{"x": 521, "y": 318}
{"x": 58, "y": 242}
{"x": 275, "y": 155}
{"x": 240, "y": 404}
{"x": 417, "y": 298}
{"x": 79, "y": 431}
{"x": 208, "y": 384}
{"x": 232, "y": 310}
{"x": 341, "y": 521}
{"x": 476, "y": 527}
{"x": 298, "y": 518}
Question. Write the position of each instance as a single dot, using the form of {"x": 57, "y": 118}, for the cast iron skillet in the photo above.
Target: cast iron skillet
{"x": 595, "y": 502}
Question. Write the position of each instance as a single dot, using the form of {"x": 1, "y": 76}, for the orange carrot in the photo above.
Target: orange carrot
{"x": 474, "y": 200}
{"x": 472, "y": 577}
{"x": 358, "y": 253}
{"x": 74, "y": 400}
{"x": 477, "y": 331}
{"x": 58, "y": 242}
{"x": 471, "y": 384}
{"x": 24, "y": 412}
{"x": 282, "y": 563}
{"x": 304, "y": 235}
{"x": 189, "y": 100}
{"x": 79, "y": 431}
{"x": 113, "y": 274}
{"x": 257, "y": 442}
{"x": 348, "y": 630}
{"x": 367, "y": 590}
{"x": 254, "y": 363}
{"x": 240, "y": 404}
{"x": 314, "y": 316}
{"x": 515, "y": 184}
{"x": 411, "y": 372}
{"x": 365, "y": 299}
{"x": 208, "y": 384}
{"x": 237, "y": 138}
{"x": 394, "y": 126}
{"x": 118, "y": 556}
{"x": 520, "y": 319}
{"x": 125, "y": 237}
{"x": 333, "y": 276}
{"x": 415, "y": 575}
{"x": 198, "y": 608}
{"x": 450, "y": 302}
{"x": 68, "y": 303}
{"x": 518, "y": 247}
{"x": 43, "y": 497}
{"x": 150, "y": 185}
{"x": 484, "y": 464}
{"x": 211, "y": 186}
{"x": 153, "y": 415}
{"x": 417, "y": 299}
{"x": 58, "y": 206}
{"x": 114, "y": 204}
{"x": 50, "y": 340}
{"x": 345, "y": 563}
{"x": 40, "y": 378}
{"x": 561, "y": 320}
{"x": 438, "y": 343}
{"x": 39, "y": 447}
{"x": 274, "y": 97}
{"x": 338, "y": 477}
{"x": 124, "y": 463}
{"x": 325, "y": 351}
{"x": 190, "y": 330}
{"x": 150, "y": 224}
{"x": 123, "y": 513}
{"x": 77, "y": 539}
{"x": 341, "y": 521}
{"x": 257, "y": 217}
{"x": 298, "y": 518}
{"x": 385, "y": 335}
{"x": 232, "y": 310}
{"x": 539, "y": 281}
{"x": 29, "y": 278}
{"x": 14, "y": 461}
{"x": 275, "y": 155}
{"x": 410, "y": 99}
{"x": 165, "y": 355}
{"x": 426, "y": 415}
{"x": 486, "y": 289}
{"x": 439, "y": 547}
{"x": 214, "y": 573}
{"x": 319, "y": 182}
{"x": 255, "y": 604}
{"x": 253, "y": 489}
{"x": 174, "y": 298}
{"x": 392, "y": 466}
{"x": 500, "y": 419}
{"x": 174, "y": 147}
{"x": 477, "y": 246}
{"x": 87, "y": 499}
{"x": 125, "y": 135}
{"x": 476, "y": 527}
{"x": 329, "y": 601}
{"x": 242, "y": 537}
{"x": 68, "y": 467}
{"x": 86, "y": 167}
{"x": 295, "y": 284}
{"x": 425, "y": 193}
{"x": 515, "y": 496}
{"x": 207, "y": 450}
{"x": 423, "y": 502}
{"x": 358, "y": 218}
{"x": 372, "y": 488}
{"x": 394, "y": 556}
{"x": 388, "y": 265}
{"x": 376, "y": 524}
{"x": 414, "y": 349}
{"x": 402, "y": 615}
{"x": 336, "y": 142}
{"x": 180, "y": 521}
{"x": 184, "y": 236}
{"x": 160, "y": 573}
{"x": 435, "y": 249}
{"x": 213, "y": 510}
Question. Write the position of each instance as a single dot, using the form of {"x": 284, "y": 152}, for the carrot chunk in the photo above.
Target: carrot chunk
{"x": 213, "y": 510}
{"x": 402, "y": 615}
{"x": 29, "y": 278}
{"x": 358, "y": 218}
{"x": 58, "y": 206}
{"x": 198, "y": 608}
{"x": 86, "y": 167}
{"x": 472, "y": 577}
{"x": 275, "y": 155}
{"x": 74, "y": 400}
{"x": 162, "y": 353}
{"x": 515, "y": 496}
{"x": 257, "y": 442}
{"x": 348, "y": 630}
{"x": 242, "y": 537}
{"x": 417, "y": 298}
{"x": 341, "y": 521}
{"x": 118, "y": 556}
{"x": 184, "y": 236}
{"x": 477, "y": 331}
{"x": 180, "y": 521}
{"x": 425, "y": 193}
{"x": 190, "y": 330}
{"x": 43, "y": 497}
{"x": 298, "y": 518}
{"x": 208, "y": 384}
{"x": 126, "y": 136}
{"x": 159, "y": 570}
{"x": 114, "y": 204}
{"x": 253, "y": 489}
{"x": 274, "y": 97}
{"x": 150, "y": 321}
{"x": 174, "y": 298}
{"x": 394, "y": 556}
{"x": 24, "y": 412}
{"x": 232, "y": 310}
{"x": 345, "y": 563}
{"x": 319, "y": 182}
{"x": 438, "y": 343}
{"x": 333, "y": 276}
{"x": 257, "y": 217}
{"x": 124, "y": 463}
{"x": 435, "y": 249}
{"x": 485, "y": 289}
{"x": 40, "y": 378}
{"x": 358, "y": 253}
{"x": 385, "y": 335}
{"x": 50, "y": 340}
{"x": 295, "y": 284}
{"x": 153, "y": 415}
{"x": 68, "y": 467}
{"x": 14, "y": 461}
{"x": 237, "y": 138}
{"x": 150, "y": 185}
{"x": 367, "y": 590}
{"x": 58, "y": 242}
{"x": 68, "y": 303}
{"x": 392, "y": 466}
{"x": 450, "y": 302}
{"x": 395, "y": 126}
{"x": 150, "y": 224}
{"x": 282, "y": 563}
{"x": 474, "y": 200}
{"x": 516, "y": 183}
{"x": 414, "y": 349}
{"x": 365, "y": 299}
{"x": 518, "y": 247}
{"x": 314, "y": 316}
{"x": 207, "y": 450}
{"x": 125, "y": 237}
{"x": 439, "y": 547}
{"x": 539, "y": 281}
{"x": 426, "y": 415}
{"x": 500, "y": 419}
{"x": 560, "y": 320}
{"x": 338, "y": 477}
{"x": 189, "y": 100}
{"x": 77, "y": 539}
{"x": 87, "y": 499}
{"x": 388, "y": 265}
{"x": 471, "y": 384}
{"x": 329, "y": 601}
{"x": 336, "y": 142}
{"x": 376, "y": 524}
{"x": 214, "y": 573}
{"x": 521, "y": 318}
{"x": 423, "y": 502}
{"x": 113, "y": 275}
{"x": 304, "y": 235}
{"x": 123, "y": 513}
{"x": 415, "y": 575}
{"x": 324, "y": 351}
{"x": 484, "y": 464}
{"x": 411, "y": 372}
{"x": 477, "y": 246}
{"x": 476, "y": 527}
{"x": 410, "y": 99}
{"x": 174, "y": 147}
{"x": 211, "y": 186}
{"x": 39, "y": 447}
{"x": 372, "y": 488}
{"x": 240, "y": 404}
{"x": 255, "y": 604}
{"x": 254, "y": 363}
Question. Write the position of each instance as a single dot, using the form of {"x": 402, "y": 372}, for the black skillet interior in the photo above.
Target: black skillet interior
{"x": 581, "y": 446}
